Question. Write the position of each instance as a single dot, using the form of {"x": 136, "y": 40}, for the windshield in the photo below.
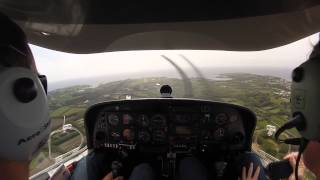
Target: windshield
{"x": 258, "y": 80}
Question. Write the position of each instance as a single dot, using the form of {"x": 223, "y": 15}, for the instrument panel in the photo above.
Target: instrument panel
{"x": 162, "y": 125}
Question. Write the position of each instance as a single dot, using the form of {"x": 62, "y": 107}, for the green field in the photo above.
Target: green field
{"x": 266, "y": 96}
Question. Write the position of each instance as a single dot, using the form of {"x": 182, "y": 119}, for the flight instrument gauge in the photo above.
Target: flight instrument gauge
{"x": 113, "y": 119}
{"x": 221, "y": 119}
{"x": 127, "y": 119}
{"x": 144, "y": 136}
{"x": 158, "y": 120}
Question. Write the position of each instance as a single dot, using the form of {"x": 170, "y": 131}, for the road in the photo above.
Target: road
{"x": 265, "y": 157}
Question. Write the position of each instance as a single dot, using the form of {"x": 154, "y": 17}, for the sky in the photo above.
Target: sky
{"x": 59, "y": 66}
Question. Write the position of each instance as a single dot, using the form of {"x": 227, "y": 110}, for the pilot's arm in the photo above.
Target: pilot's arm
{"x": 292, "y": 157}
{"x": 311, "y": 157}
{"x": 109, "y": 177}
{"x": 14, "y": 170}
{"x": 310, "y": 160}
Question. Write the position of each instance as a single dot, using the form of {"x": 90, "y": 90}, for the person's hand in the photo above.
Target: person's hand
{"x": 251, "y": 175}
{"x": 110, "y": 177}
{"x": 292, "y": 157}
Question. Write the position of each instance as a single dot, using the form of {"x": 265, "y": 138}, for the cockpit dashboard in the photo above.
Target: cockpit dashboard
{"x": 159, "y": 126}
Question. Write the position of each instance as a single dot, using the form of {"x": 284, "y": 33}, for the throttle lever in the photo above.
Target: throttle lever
{"x": 116, "y": 168}
{"x": 117, "y": 165}
{"x": 279, "y": 170}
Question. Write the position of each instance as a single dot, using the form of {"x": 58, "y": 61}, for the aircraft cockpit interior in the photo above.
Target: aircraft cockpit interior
{"x": 163, "y": 131}
{"x": 160, "y": 89}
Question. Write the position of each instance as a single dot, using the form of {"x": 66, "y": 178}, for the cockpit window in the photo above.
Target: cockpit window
{"x": 257, "y": 80}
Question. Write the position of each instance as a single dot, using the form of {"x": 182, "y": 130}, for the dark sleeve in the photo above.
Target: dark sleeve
{"x": 94, "y": 166}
